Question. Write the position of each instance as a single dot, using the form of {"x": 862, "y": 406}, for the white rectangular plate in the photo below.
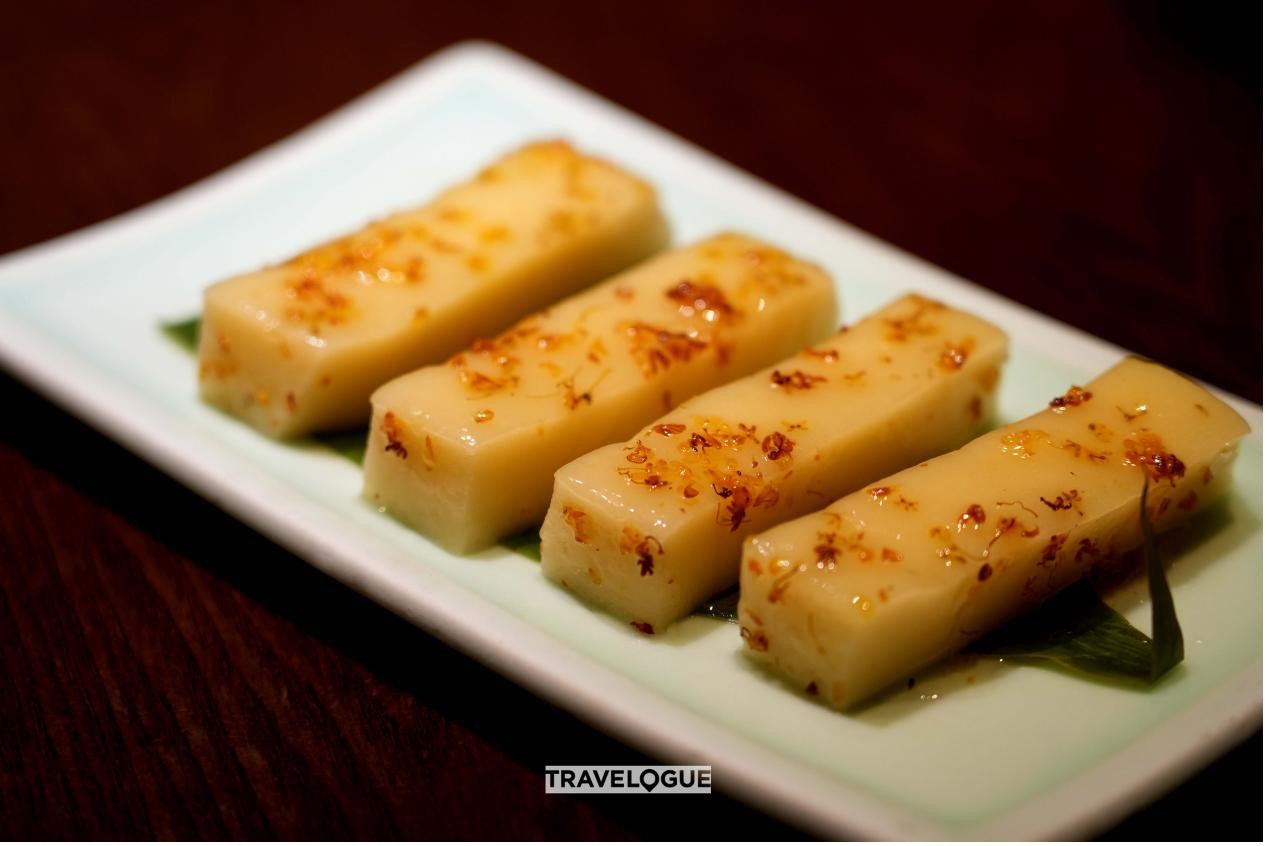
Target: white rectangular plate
{"x": 970, "y": 752}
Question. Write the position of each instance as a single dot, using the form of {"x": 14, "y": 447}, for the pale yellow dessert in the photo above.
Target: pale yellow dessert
{"x": 891, "y": 578}
{"x": 465, "y": 452}
{"x": 650, "y": 528}
{"x": 300, "y": 346}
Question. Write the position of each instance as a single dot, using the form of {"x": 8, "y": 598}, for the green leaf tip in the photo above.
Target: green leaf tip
{"x": 722, "y": 606}
{"x": 1168, "y": 646}
{"x": 184, "y": 333}
{"x": 350, "y": 444}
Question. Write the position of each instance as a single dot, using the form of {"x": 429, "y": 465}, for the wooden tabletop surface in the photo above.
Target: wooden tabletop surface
{"x": 169, "y": 673}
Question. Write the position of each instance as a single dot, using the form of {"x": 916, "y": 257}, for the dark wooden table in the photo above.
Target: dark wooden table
{"x": 169, "y": 673}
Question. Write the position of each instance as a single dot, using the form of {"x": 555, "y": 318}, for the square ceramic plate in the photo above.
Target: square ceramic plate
{"x": 975, "y": 752}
